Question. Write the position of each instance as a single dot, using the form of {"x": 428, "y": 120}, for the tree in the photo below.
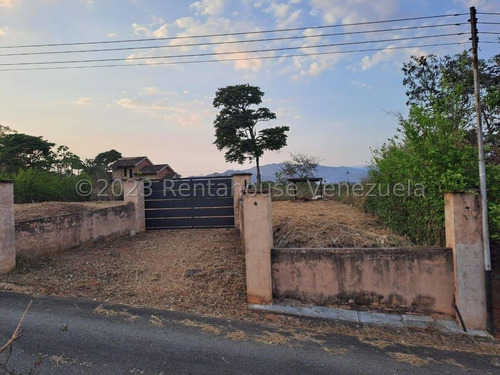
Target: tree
{"x": 99, "y": 165}
{"x": 300, "y": 165}
{"x": 236, "y": 125}
{"x": 66, "y": 162}
{"x": 4, "y": 130}
{"x": 436, "y": 146}
{"x": 18, "y": 151}
{"x": 432, "y": 81}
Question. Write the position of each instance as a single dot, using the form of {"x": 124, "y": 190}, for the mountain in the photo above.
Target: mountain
{"x": 329, "y": 174}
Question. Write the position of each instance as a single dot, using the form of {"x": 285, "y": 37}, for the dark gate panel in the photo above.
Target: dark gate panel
{"x": 198, "y": 202}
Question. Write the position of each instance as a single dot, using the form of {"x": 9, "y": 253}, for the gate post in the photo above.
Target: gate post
{"x": 133, "y": 191}
{"x": 7, "y": 228}
{"x": 463, "y": 234}
{"x": 258, "y": 238}
{"x": 240, "y": 182}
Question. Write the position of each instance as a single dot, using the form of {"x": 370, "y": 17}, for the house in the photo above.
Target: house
{"x": 140, "y": 166}
{"x": 157, "y": 172}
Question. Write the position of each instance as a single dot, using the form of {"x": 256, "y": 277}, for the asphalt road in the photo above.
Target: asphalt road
{"x": 67, "y": 336}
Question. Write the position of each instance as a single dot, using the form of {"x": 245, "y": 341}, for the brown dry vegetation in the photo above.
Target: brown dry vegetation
{"x": 30, "y": 211}
{"x": 329, "y": 224}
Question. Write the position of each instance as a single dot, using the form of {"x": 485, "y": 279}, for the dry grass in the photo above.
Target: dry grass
{"x": 329, "y": 224}
{"x": 31, "y": 211}
{"x": 111, "y": 312}
{"x": 150, "y": 269}
{"x": 410, "y": 358}
{"x": 237, "y": 335}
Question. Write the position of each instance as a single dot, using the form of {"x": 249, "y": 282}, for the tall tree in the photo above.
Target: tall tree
{"x": 66, "y": 162}
{"x": 236, "y": 125}
{"x": 432, "y": 81}
{"x": 18, "y": 151}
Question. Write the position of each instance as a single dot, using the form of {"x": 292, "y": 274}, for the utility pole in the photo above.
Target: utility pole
{"x": 482, "y": 174}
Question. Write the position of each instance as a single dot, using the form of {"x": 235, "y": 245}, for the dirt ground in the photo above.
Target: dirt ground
{"x": 202, "y": 271}
{"x": 30, "y": 211}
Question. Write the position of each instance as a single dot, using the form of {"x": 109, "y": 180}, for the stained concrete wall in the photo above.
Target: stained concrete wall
{"x": 422, "y": 278}
{"x": 7, "y": 233}
{"x": 53, "y": 235}
{"x": 464, "y": 236}
{"x": 257, "y": 235}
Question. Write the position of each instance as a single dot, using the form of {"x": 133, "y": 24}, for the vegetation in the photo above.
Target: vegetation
{"x": 236, "y": 125}
{"x": 436, "y": 147}
{"x": 43, "y": 172}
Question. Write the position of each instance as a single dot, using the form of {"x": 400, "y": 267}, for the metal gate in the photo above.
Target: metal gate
{"x": 199, "y": 202}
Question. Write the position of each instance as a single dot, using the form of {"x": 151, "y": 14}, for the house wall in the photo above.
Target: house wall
{"x": 421, "y": 278}
{"x": 121, "y": 172}
{"x": 56, "y": 234}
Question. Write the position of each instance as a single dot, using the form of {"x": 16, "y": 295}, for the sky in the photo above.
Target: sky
{"x": 339, "y": 106}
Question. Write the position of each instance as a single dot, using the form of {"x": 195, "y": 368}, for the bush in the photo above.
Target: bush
{"x": 33, "y": 186}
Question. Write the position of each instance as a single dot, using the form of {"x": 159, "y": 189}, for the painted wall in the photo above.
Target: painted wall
{"x": 418, "y": 277}
{"x": 53, "y": 235}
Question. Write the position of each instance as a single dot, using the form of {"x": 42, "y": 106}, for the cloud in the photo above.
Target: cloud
{"x": 3, "y": 31}
{"x": 112, "y": 35}
{"x": 284, "y": 13}
{"x": 171, "y": 110}
{"x": 7, "y": 3}
{"x": 150, "y": 91}
{"x": 156, "y": 29}
{"x": 209, "y": 7}
{"x": 341, "y": 11}
{"x": 481, "y": 5}
{"x": 83, "y": 101}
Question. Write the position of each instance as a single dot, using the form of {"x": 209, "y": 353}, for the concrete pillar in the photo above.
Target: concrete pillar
{"x": 133, "y": 191}
{"x": 258, "y": 238}
{"x": 463, "y": 235}
{"x": 240, "y": 182}
{"x": 7, "y": 229}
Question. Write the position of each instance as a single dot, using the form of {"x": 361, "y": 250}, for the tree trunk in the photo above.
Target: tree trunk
{"x": 259, "y": 187}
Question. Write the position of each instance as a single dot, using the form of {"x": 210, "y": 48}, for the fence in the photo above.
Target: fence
{"x": 422, "y": 279}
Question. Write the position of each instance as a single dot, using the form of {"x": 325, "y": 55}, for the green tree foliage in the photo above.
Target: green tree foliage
{"x": 431, "y": 82}
{"x": 236, "y": 125}
{"x": 99, "y": 165}
{"x": 67, "y": 162}
{"x": 436, "y": 147}
{"x": 19, "y": 151}
{"x": 33, "y": 186}
{"x": 430, "y": 152}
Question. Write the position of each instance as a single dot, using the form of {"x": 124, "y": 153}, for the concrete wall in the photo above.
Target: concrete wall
{"x": 7, "y": 236}
{"x": 464, "y": 236}
{"x": 422, "y": 278}
{"x": 257, "y": 234}
{"x": 53, "y": 235}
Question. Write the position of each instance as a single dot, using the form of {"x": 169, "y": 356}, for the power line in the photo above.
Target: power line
{"x": 231, "y": 59}
{"x": 231, "y": 52}
{"x": 236, "y": 33}
{"x": 230, "y": 41}
{"x": 488, "y": 23}
{"x": 489, "y": 14}
{"x": 488, "y": 32}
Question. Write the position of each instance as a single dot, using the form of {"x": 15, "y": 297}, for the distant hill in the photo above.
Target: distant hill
{"x": 329, "y": 174}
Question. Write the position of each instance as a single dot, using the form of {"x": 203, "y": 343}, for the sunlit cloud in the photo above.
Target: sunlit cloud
{"x": 83, "y": 101}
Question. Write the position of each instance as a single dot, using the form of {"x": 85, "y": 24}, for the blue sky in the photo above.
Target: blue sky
{"x": 338, "y": 106}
